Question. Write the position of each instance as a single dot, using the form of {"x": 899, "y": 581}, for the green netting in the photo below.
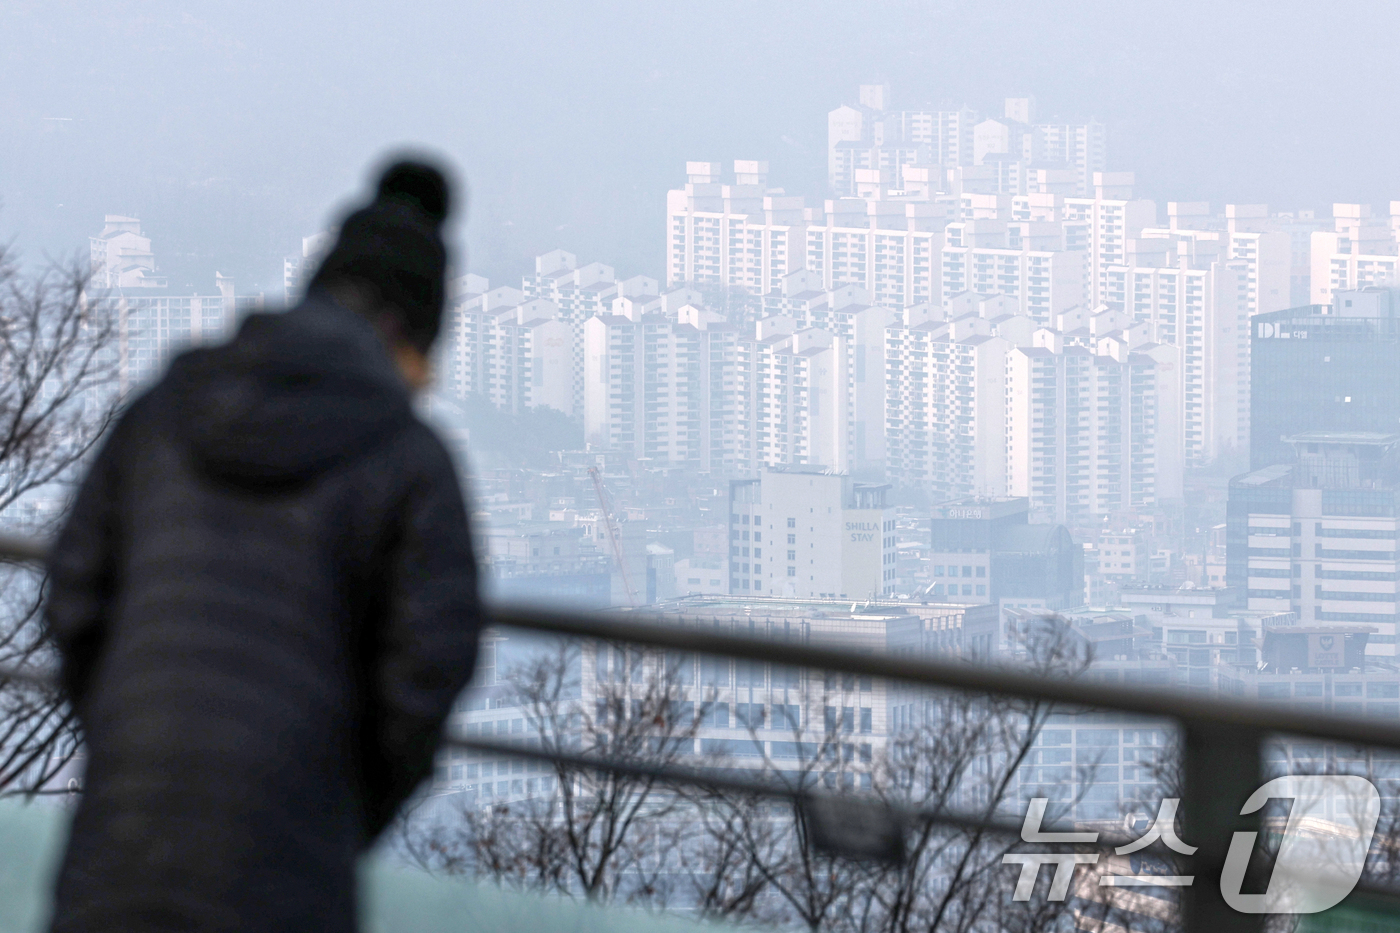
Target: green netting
{"x": 1359, "y": 913}
{"x": 396, "y": 900}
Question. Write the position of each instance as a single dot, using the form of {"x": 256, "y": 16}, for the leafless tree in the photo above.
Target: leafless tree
{"x": 748, "y": 857}
{"x": 963, "y": 753}
{"x": 783, "y": 877}
{"x": 601, "y": 835}
{"x": 58, "y": 395}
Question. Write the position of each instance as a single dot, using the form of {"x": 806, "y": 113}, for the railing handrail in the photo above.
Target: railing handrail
{"x": 1220, "y": 737}
{"x": 958, "y": 675}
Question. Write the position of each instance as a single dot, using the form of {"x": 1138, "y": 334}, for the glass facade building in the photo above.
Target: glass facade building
{"x": 1324, "y": 368}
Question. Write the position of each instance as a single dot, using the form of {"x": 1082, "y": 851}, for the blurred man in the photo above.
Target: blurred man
{"x": 265, "y": 600}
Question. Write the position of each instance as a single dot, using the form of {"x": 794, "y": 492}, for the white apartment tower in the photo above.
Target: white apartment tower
{"x": 659, "y": 384}
{"x": 856, "y": 328}
{"x": 1180, "y": 285}
{"x": 153, "y": 320}
{"x": 1082, "y": 430}
{"x": 870, "y": 135}
{"x": 579, "y": 293}
{"x": 1359, "y": 253}
{"x": 732, "y": 234}
{"x": 889, "y": 248}
{"x": 1102, "y": 225}
{"x": 945, "y": 421}
{"x": 978, "y": 257}
{"x": 514, "y": 352}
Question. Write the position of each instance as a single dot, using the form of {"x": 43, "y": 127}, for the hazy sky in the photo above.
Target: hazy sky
{"x": 232, "y": 129}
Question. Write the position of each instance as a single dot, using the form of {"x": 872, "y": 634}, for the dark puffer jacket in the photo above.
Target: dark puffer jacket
{"x": 266, "y": 600}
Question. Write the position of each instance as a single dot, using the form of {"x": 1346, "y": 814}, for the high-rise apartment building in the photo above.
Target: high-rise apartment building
{"x": 797, "y": 385}
{"x": 734, "y": 235}
{"x": 1180, "y": 286}
{"x": 807, "y": 531}
{"x": 660, "y": 383}
{"x": 889, "y": 248}
{"x": 297, "y": 271}
{"x": 1081, "y": 147}
{"x": 1359, "y": 253}
{"x": 856, "y": 336}
{"x": 871, "y": 135}
{"x": 523, "y": 347}
{"x": 978, "y": 257}
{"x": 1328, "y": 367}
{"x": 1102, "y": 225}
{"x": 1084, "y": 419}
{"x": 154, "y": 320}
{"x": 579, "y": 293}
{"x": 1085, "y": 431}
{"x": 513, "y": 352}
{"x": 945, "y": 406}
{"x": 1264, "y": 252}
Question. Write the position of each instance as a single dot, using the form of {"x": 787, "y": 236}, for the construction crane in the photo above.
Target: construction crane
{"x": 613, "y": 534}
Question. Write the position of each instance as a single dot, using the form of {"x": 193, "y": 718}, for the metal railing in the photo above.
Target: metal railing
{"x": 1221, "y": 745}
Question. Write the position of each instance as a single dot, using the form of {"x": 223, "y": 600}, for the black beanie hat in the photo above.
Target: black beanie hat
{"x": 395, "y": 244}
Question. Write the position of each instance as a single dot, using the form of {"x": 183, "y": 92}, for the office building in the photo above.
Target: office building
{"x": 985, "y": 551}
{"x": 825, "y": 535}
{"x": 1324, "y": 368}
{"x": 751, "y": 714}
{"x": 1317, "y": 536}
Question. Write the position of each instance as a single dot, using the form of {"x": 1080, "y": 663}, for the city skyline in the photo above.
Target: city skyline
{"x": 215, "y": 185}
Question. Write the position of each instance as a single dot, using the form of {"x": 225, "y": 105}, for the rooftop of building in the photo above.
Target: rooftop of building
{"x": 1345, "y": 438}
{"x": 761, "y": 606}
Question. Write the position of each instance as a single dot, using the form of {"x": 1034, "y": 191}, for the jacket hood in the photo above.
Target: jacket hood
{"x": 290, "y": 397}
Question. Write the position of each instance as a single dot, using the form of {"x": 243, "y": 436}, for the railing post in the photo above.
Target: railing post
{"x": 1220, "y": 768}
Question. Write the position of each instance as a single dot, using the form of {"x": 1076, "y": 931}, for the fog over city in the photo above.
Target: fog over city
{"x": 865, "y": 467}
{"x": 230, "y": 129}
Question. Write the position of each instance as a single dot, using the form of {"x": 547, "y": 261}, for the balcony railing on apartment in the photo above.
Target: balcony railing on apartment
{"x": 1221, "y": 745}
